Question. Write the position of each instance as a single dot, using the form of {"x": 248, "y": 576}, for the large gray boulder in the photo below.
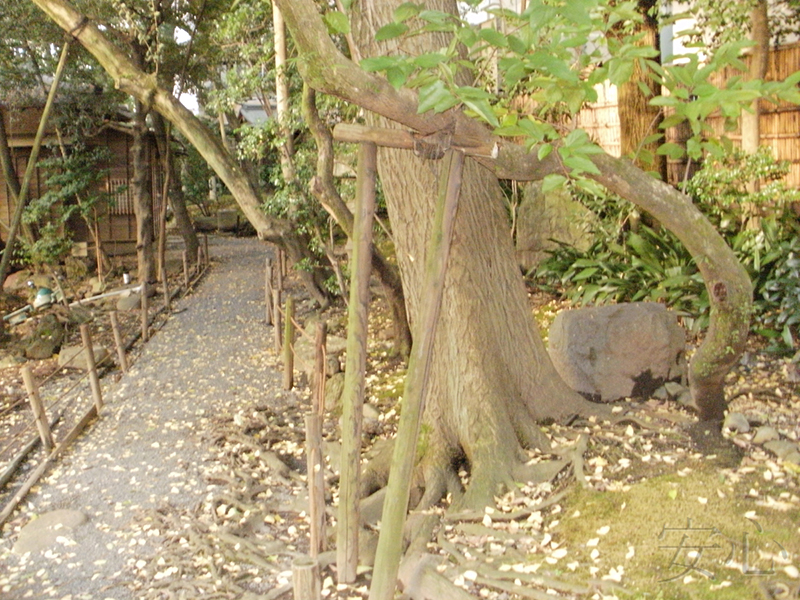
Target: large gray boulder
{"x": 45, "y": 339}
{"x": 619, "y": 351}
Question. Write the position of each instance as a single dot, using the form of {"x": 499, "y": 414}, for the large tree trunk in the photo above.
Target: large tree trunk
{"x": 491, "y": 377}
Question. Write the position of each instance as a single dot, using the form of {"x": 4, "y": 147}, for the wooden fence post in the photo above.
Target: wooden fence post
{"x": 305, "y": 578}
{"x": 316, "y": 483}
{"x": 353, "y": 392}
{"x": 320, "y": 367}
{"x": 276, "y": 314}
{"x": 206, "y": 257}
{"x": 167, "y": 302}
{"x": 268, "y": 290}
{"x": 280, "y": 273}
{"x": 121, "y": 356}
{"x": 145, "y": 306}
{"x": 38, "y": 409}
{"x": 91, "y": 366}
{"x": 199, "y": 259}
{"x": 288, "y": 344}
{"x": 185, "y": 257}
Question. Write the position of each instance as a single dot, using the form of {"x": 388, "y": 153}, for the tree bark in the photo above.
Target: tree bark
{"x": 176, "y": 197}
{"x": 759, "y": 62}
{"x": 142, "y": 197}
{"x": 327, "y": 70}
{"x": 637, "y": 117}
{"x": 491, "y": 378}
{"x": 145, "y": 88}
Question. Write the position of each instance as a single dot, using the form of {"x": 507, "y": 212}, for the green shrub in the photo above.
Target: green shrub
{"x": 634, "y": 262}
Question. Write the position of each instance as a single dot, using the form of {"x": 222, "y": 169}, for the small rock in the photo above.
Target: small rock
{"x": 333, "y": 391}
{"x": 42, "y": 533}
{"x": 765, "y": 434}
{"x": 793, "y": 457}
{"x": 736, "y": 422}
{"x": 675, "y": 389}
{"x": 781, "y": 448}
{"x": 45, "y": 340}
{"x": 131, "y": 302}
{"x": 73, "y": 357}
{"x": 685, "y": 399}
{"x": 10, "y": 360}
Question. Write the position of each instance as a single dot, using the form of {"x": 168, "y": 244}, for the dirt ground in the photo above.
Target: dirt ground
{"x": 192, "y": 481}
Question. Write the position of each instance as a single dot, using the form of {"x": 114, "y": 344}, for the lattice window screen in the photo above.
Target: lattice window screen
{"x": 120, "y": 189}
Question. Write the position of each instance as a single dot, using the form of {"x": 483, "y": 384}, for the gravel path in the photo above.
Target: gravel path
{"x": 147, "y": 450}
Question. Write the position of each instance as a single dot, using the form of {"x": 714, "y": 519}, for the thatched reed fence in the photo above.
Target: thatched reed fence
{"x": 780, "y": 125}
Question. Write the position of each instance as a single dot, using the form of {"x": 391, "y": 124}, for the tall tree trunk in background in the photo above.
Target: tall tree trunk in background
{"x": 142, "y": 192}
{"x": 637, "y": 118}
{"x": 286, "y": 150}
{"x": 759, "y": 63}
{"x": 491, "y": 377}
{"x": 176, "y": 197}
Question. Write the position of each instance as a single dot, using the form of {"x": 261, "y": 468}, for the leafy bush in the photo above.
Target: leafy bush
{"x": 634, "y": 262}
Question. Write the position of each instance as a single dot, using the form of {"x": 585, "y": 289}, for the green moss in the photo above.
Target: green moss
{"x": 656, "y": 524}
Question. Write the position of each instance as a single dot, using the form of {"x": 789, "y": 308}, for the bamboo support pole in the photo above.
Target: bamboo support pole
{"x": 395, "y": 507}
{"x": 276, "y": 313}
{"x": 320, "y": 367}
{"x": 166, "y": 291}
{"x": 353, "y": 393}
{"x": 268, "y": 291}
{"x": 206, "y": 257}
{"x": 199, "y": 259}
{"x": 185, "y": 257}
{"x": 283, "y": 262}
{"x": 121, "y": 356}
{"x": 280, "y": 270}
{"x": 305, "y": 578}
{"x": 38, "y": 408}
{"x": 316, "y": 483}
{"x": 91, "y": 366}
{"x": 145, "y": 310}
{"x": 288, "y": 344}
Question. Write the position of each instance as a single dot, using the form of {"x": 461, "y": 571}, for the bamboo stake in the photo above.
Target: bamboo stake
{"x": 144, "y": 310}
{"x": 166, "y": 291}
{"x": 276, "y": 313}
{"x": 353, "y": 393}
{"x": 268, "y": 290}
{"x": 320, "y": 341}
{"x": 288, "y": 344}
{"x": 390, "y": 542}
{"x": 305, "y": 578}
{"x": 281, "y": 265}
{"x": 38, "y": 409}
{"x": 206, "y": 257}
{"x": 185, "y": 257}
{"x": 123, "y": 358}
{"x": 316, "y": 484}
{"x": 91, "y": 366}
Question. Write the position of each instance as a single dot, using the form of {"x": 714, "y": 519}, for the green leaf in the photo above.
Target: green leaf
{"x": 337, "y": 22}
{"x": 544, "y": 151}
{"x": 390, "y": 31}
{"x": 483, "y": 109}
{"x": 405, "y": 11}
{"x": 581, "y": 164}
{"x": 436, "y": 17}
{"x": 671, "y": 150}
{"x": 397, "y": 76}
{"x": 433, "y": 95}
{"x": 552, "y": 182}
{"x": 493, "y": 37}
{"x": 379, "y": 63}
{"x": 429, "y": 60}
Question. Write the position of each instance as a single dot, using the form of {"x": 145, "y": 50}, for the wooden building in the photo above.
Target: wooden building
{"x": 116, "y": 224}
